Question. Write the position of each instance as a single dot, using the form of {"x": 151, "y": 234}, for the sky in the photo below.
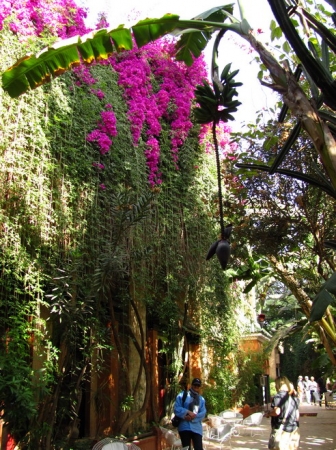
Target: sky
{"x": 233, "y": 49}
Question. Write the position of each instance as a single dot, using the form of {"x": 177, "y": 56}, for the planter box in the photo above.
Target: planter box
{"x": 151, "y": 441}
{"x": 148, "y": 443}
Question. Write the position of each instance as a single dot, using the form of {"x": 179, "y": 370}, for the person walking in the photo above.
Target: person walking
{"x": 314, "y": 395}
{"x": 285, "y": 434}
{"x": 306, "y": 385}
{"x": 300, "y": 387}
{"x": 192, "y": 411}
{"x": 322, "y": 389}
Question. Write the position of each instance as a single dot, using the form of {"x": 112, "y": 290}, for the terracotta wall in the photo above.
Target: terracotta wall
{"x": 195, "y": 365}
{"x": 254, "y": 344}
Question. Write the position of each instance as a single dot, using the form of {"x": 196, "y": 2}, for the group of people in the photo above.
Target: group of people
{"x": 285, "y": 435}
{"x": 311, "y": 391}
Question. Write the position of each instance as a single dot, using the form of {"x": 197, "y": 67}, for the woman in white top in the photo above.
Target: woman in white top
{"x": 314, "y": 394}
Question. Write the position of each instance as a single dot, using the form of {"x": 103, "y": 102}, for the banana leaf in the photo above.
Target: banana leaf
{"x": 319, "y": 74}
{"x": 192, "y": 42}
{"x": 323, "y": 299}
{"x": 286, "y": 147}
{"x": 32, "y": 71}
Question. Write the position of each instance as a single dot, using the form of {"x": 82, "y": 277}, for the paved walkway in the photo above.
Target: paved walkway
{"x": 317, "y": 432}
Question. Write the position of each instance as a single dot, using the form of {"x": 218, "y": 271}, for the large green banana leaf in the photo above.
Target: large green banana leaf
{"x": 32, "y": 71}
{"x": 324, "y": 298}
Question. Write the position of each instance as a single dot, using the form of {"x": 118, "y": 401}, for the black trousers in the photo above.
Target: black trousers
{"x": 188, "y": 436}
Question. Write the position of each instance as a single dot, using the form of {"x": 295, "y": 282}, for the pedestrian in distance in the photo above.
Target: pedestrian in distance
{"x": 191, "y": 411}
{"x": 322, "y": 388}
{"x": 328, "y": 384}
{"x": 314, "y": 394}
{"x": 300, "y": 387}
{"x": 285, "y": 434}
{"x": 306, "y": 385}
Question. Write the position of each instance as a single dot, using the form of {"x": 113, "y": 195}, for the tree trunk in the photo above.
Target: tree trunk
{"x": 299, "y": 105}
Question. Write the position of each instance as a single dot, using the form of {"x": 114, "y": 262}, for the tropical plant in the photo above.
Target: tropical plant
{"x": 216, "y": 104}
{"x": 33, "y": 71}
{"x": 102, "y": 228}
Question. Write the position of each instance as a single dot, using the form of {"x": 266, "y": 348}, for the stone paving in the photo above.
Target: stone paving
{"x": 318, "y": 432}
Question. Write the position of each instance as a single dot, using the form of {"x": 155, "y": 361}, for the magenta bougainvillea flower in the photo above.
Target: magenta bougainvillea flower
{"x": 98, "y": 165}
{"x": 169, "y": 98}
{"x": 106, "y": 129}
{"x": 62, "y": 18}
{"x": 170, "y": 101}
{"x": 223, "y": 130}
{"x": 102, "y": 139}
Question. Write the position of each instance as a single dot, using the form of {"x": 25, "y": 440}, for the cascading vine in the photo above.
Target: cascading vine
{"x": 170, "y": 98}
{"x": 156, "y": 87}
{"x": 80, "y": 163}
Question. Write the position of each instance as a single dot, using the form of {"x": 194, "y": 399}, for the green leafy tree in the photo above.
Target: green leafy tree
{"x": 286, "y": 224}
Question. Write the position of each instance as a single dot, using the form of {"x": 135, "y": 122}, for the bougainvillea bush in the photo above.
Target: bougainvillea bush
{"x": 104, "y": 230}
{"x": 156, "y": 89}
{"x": 60, "y": 18}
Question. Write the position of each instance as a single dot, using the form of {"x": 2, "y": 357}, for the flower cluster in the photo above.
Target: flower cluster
{"x": 171, "y": 99}
{"x": 178, "y": 85}
{"x": 107, "y": 126}
{"x": 98, "y": 165}
{"x": 84, "y": 76}
{"x": 62, "y": 18}
{"x": 152, "y": 154}
{"x": 226, "y": 148}
{"x": 106, "y": 129}
{"x": 135, "y": 78}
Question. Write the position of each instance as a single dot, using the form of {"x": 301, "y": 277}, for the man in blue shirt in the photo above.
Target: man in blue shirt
{"x": 192, "y": 411}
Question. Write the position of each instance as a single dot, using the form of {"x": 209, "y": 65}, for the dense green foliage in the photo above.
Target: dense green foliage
{"x": 84, "y": 250}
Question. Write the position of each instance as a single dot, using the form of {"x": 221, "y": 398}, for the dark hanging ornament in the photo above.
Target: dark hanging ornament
{"x": 216, "y": 104}
{"x": 212, "y": 250}
{"x": 223, "y": 252}
{"x": 221, "y": 248}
